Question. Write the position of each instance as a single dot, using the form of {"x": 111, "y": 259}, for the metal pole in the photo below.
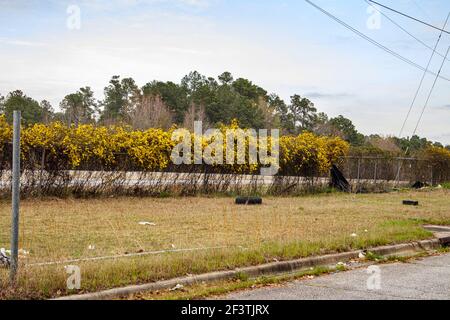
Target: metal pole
{"x": 41, "y": 174}
{"x": 399, "y": 167}
{"x": 376, "y": 171}
{"x": 359, "y": 173}
{"x": 432, "y": 176}
{"x": 15, "y": 198}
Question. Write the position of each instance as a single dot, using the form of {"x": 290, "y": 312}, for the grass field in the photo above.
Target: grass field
{"x": 282, "y": 228}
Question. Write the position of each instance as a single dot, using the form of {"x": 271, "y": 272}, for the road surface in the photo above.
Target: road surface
{"x": 425, "y": 279}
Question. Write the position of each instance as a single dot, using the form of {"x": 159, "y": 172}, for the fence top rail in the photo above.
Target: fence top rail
{"x": 389, "y": 158}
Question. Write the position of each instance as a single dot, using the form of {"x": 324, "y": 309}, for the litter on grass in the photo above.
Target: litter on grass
{"x": 5, "y": 261}
{"x": 177, "y": 287}
{"x": 146, "y": 223}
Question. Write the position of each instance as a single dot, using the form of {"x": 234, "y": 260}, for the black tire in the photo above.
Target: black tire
{"x": 410, "y": 203}
{"x": 248, "y": 201}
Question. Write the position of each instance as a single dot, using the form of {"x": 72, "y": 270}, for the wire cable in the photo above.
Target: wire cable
{"x": 410, "y": 17}
{"x": 404, "y": 30}
{"x": 362, "y": 35}
{"x": 429, "y": 95}
{"x": 423, "y": 78}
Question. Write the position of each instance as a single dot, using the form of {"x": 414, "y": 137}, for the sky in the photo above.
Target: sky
{"x": 287, "y": 47}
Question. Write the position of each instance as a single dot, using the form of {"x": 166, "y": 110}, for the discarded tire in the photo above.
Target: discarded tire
{"x": 410, "y": 203}
{"x": 248, "y": 200}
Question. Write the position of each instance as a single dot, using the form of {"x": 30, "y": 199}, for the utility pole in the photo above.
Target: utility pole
{"x": 15, "y": 198}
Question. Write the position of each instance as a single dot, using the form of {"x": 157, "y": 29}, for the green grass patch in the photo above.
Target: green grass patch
{"x": 283, "y": 228}
{"x": 446, "y": 185}
{"x": 219, "y": 288}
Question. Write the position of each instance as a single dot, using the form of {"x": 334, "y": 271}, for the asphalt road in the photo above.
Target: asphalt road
{"x": 425, "y": 279}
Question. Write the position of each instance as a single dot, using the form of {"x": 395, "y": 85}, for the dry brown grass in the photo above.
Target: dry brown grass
{"x": 283, "y": 228}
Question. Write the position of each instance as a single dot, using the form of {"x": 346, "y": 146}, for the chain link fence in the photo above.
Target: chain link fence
{"x": 47, "y": 178}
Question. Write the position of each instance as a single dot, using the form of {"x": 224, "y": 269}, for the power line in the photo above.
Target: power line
{"x": 410, "y": 17}
{"x": 423, "y": 78}
{"x": 423, "y": 112}
{"x": 362, "y": 35}
{"x": 429, "y": 95}
{"x": 404, "y": 30}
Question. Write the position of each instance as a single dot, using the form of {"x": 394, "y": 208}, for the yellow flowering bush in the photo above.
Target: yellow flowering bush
{"x": 439, "y": 160}
{"x": 335, "y": 149}
{"x": 308, "y": 154}
{"x": 436, "y": 154}
{"x": 88, "y": 142}
{"x": 40, "y": 136}
{"x": 91, "y": 147}
{"x": 246, "y": 164}
{"x": 5, "y": 132}
{"x": 150, "y": 149}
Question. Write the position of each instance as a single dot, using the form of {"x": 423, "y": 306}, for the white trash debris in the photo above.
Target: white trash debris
{"x": 177, "y": 287}
{"x": 361, "y": 255}
{"x": 145, "y": 223}
{"x": 5, "y": 261}
{"x": 21, "y": 252}
{"x": 353, "y": 235}
{"x": 24, "y": 252}
{"x": 91, "y": 247}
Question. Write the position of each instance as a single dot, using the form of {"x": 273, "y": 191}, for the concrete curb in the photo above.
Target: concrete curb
{"x": 270, "y": 268}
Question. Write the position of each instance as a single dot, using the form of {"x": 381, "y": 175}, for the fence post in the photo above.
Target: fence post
{"x": 375, "y": 171}
{"x": 432, "y": 176}
{"x": 399, "y": 168}
{"x": 359, "y": 173}
{"x": 41, "y": 172}
{"x": 15, "y": 197}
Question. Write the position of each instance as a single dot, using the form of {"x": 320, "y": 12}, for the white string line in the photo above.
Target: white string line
{"x": 125, "y": 256}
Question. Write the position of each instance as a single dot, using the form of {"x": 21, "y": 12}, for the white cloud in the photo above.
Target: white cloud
{"x": 18, "y": 42}
{"x": 167, "y": 44}
{"x": 117, "y": 4}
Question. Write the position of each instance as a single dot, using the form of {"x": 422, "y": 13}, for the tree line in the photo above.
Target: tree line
{"x": 214, "y": 101}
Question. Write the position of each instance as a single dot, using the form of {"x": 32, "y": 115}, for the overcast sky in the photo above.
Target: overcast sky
{"x": 287, "y": 47}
